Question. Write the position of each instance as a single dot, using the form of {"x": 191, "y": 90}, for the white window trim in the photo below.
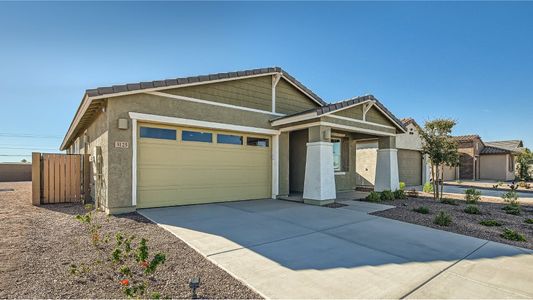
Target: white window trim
{"x": 340, "y": 154}
{"x": 202, "y": 124}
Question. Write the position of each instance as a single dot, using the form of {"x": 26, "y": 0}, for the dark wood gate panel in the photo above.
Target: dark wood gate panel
{"x": 60, "y": 178}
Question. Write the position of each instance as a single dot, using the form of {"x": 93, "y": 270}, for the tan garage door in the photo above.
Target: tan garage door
{"x": 178, "y": 166}
{"x": 410, "y": 167}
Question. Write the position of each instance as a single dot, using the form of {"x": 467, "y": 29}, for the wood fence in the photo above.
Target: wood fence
{"x": 60, "y": 178}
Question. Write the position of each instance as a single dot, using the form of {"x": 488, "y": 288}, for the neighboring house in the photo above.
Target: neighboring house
{"x": 484, "y": 160}
{"x": 413, "y": 169}
{"x": 225, "y": 137}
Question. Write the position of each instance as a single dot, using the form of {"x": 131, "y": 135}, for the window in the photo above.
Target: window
{"x": 229, "y": 139}
{"x": 259, "y": 142}
{"x": 511, "y": 163}
{"x": 196, "y": 136}
{"x": 336, "y": 154}
{"x": 158, "y": 133}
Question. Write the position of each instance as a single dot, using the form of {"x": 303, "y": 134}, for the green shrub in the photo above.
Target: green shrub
{"x": 473, "y": 210}
{"x": 472, "y": 196}
{"x": 511, "y": 197}
{"x": 400, "y": 194}
{"x": 421, "y": 210}
{"x": 373, "y": 197}
{"x": 512, "y": 209}
{"x": 448, "y": 201}
{"x": 528, "y": 221}
{"x": 402, "y": 185}
{"x": 428, "y": 188}
{"x": 387, "y": 195}
{"x": 443, "y": 219}
{"x": 490, "y": 223}
{"x": 512, "y": 235}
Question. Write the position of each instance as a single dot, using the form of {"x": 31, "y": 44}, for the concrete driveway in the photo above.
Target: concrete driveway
{"x": 291, "y": 250}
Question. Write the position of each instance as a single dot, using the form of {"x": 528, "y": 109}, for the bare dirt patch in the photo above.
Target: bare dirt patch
{"x": 463, "y": 223}
{"x": 38, "y": 244}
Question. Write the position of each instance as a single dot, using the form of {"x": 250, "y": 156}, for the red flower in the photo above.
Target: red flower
{"x": 125, "y": 282}
{"x": 144, "y": 264}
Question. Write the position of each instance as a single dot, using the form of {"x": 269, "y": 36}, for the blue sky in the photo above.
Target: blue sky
{"x": 469, "y": 61}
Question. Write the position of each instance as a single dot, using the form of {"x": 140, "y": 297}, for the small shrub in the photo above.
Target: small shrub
{"x": 490, "y": 223}
{"x": 387, "y": 195}
{"x": 421, "y": 210}
{"x": 511, "y": 197}
{"x": 512, "y": 210}
{"x": 373, "y": 197}
{"x": 402, "y": 185}
{"x": 459, "y": 181}
{"x": 528, "y": 221}
{"x": 400, "y": 194}
{"x": 472, "y": 196}
{"x": 472, "y": 209}
{"x": 512, "y": 235}
{"x": 443, "y": 219}
{"x": 448, "y": 201}
{"x": 428, "y": 188}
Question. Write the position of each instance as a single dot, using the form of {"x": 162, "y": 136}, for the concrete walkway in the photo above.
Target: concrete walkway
{"x": 284, "y": 249}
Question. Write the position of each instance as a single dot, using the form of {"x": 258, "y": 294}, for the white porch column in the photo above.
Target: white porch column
{"x": 387, "y": 177}
{"x": 319, "y": 185}
{"x": 426, "y": 170}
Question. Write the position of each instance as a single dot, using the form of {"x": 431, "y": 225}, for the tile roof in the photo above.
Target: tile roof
{"x": 493, "y": 150}
{"x": 512, "y": 145}
{"x": 407, "y": 121}
{"x": 175, "y": 82}
{"x": 466, "y": 138}
{"x": 345, "y": 103}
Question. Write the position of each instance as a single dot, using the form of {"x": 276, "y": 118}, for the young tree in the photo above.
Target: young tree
{"x": 441, "y": 150}
{"x": 524, "y": 159}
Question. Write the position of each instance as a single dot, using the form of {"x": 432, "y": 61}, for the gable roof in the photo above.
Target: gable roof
{"x": 511, "y": 145}
{"x": 466, "y": 138}
{"x": 407, "y": 121}
{"x": 493, "y": 150}
{"x": 93, "y": 98}
{"x": 333, "y": 107}
{"x": 177, "y": 82}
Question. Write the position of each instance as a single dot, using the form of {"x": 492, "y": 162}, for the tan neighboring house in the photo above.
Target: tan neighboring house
{"x": 413, "y": 168}
{"x": 484, "y": 160}
{"x": 225, "y": 137}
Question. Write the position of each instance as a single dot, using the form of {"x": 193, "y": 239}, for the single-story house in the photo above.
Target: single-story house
{"x": 413, "y": 167}
{"x": 484, "y": 160}
{"x": 224, "y": 137}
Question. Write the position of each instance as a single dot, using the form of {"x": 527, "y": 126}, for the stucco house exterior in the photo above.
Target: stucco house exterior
{"x": 484, "y": 160}
{"x": 224, "y": 137}
{"x": 413, "y": 167}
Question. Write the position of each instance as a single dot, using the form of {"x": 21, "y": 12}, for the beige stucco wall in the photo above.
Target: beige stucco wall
{"x": 409, "y": 141}
{"x": 495, "y": 167}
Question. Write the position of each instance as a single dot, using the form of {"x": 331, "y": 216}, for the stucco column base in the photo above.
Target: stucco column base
{"x": 319, "y": 184}
{"x": 387, "y": 177}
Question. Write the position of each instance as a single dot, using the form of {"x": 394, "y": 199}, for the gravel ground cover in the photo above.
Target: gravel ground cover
{"x": 38, "y": 244}
{"x": 463, "y": 223}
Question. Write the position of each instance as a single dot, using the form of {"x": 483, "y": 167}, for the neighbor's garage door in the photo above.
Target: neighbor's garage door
{"x": 410, "y": 166}
{"x": 179, "y": 166}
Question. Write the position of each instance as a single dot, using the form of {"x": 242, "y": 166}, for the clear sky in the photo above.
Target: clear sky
{"x": 469, "y": 61}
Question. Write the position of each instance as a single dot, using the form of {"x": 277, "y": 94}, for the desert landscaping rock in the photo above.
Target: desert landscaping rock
{"x": 38, "y": 244}
{"x": 463, "y": 223}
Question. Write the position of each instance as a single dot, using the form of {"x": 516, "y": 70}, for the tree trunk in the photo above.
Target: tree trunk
{"x": 436, "y": 183}
{"x": 441, "y": 182}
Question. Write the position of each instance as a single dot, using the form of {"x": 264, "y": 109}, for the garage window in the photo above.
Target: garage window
{"x": 229, "y": 139}
{"x": 258, "y": 142}
{"x": 158, "y": 133}
{"x": 196, "y": 136}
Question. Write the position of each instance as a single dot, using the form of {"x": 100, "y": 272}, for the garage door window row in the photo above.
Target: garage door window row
{"x": 202, "y": 137}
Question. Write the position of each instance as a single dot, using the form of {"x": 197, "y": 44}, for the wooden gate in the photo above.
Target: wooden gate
{"x": 59, "y": 178}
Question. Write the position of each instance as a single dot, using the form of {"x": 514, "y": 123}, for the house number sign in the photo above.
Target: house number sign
{"x": 119, "y": 144}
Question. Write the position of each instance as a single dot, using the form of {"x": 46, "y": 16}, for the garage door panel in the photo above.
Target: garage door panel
{"x": 184, "y": 172}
